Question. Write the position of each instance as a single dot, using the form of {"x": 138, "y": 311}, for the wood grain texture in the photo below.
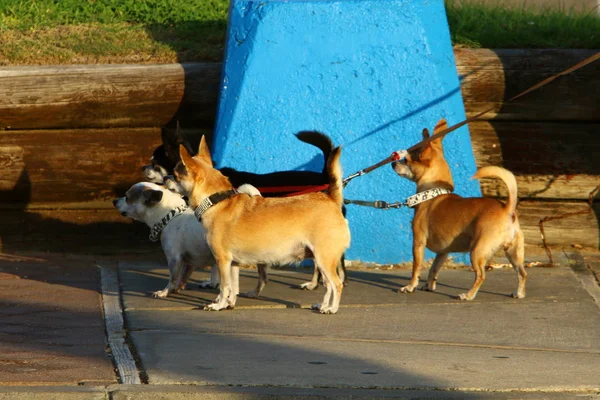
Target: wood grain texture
{"x": 580, "y": 229}
{"x": 108, "y": 95}
{"x": 72, "y": 166}
{"x": 490, "y": 77}
{"x": 549, "y": 160}
{"x": 153, "y": 95}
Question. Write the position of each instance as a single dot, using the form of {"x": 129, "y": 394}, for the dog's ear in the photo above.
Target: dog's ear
{"x": 425, "y": 133}
{"x": 440, "y": 126}
{"x": 178, "y": 135}
{"x": 152, "y": 197}
{"x": 204, "y": 152}
{"x": 426, "y": 155}
{"x": 186, "y": 158}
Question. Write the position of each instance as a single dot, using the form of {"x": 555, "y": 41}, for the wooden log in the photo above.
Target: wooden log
{"x": 108, "y": 95}
{"x": 72, "y": 166}
{"x": 490, "y": 77}
{"x": 549, "y": 160}
{"x": 153, "y": 95}
{"x": 87, "y": 168}
{"x": 580, "y": 229}
{"x": 105, "y": 231}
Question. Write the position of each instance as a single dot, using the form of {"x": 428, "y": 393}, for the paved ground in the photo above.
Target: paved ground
{"x": 381, "y": 344}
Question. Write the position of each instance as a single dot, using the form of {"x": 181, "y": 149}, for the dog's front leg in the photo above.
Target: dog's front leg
{"x": 418, "y": 256}
{"x": 175, "y": 274}
{"x": 226, "y": 298}
{"x": 263, "y": 278}
{"x": 434, "y": 271}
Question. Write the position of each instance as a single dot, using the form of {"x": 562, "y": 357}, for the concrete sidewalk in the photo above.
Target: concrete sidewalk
{"x": 381, "y": 344}
{"x": 379, "y": 339}
{"x": 51, "y": 323}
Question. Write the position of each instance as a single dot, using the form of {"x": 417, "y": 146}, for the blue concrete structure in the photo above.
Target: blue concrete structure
{"x": 369, "y": 73}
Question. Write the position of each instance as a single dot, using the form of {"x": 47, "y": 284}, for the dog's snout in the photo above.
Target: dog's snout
{"x": 115, "y": 201}
{"x": 146, "y": 167}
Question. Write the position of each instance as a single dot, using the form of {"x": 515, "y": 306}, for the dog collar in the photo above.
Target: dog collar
{"x": 426, "y": 195}
{"x": 159, "y": 226}
{"x": 212, "y": 200}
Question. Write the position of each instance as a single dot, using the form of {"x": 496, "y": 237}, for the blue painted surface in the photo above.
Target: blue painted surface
{"x": 371, "y": 74}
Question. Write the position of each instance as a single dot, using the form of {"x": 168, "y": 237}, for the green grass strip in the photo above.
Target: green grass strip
{"x": 101, "y": 31}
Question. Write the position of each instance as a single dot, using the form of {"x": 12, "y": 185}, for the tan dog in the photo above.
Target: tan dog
{"x": 243, "y": 229}
{"x": 449, "y": 223}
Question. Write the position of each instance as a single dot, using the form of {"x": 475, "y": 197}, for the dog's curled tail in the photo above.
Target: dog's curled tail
{"x": 509, "y": 180}
{"x": 334, "y": 170}
{"x": 319, "y": 140}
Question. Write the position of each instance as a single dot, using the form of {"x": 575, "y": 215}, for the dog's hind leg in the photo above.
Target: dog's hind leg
{"x": 479, "y": 257}
{"x": 263, "y": 278}
{"x": 439, "y": 260}
{"x": 333, "y": 285}
{"x": 187, "y": 272}
{"x": 214, "y": 280}
{"x": 341, "y": 269}
{"x": 314, "y": 282}
{"x": 516, "y": 255}
{"x": 235, "y": 279}
{"x": 175, "y": 272}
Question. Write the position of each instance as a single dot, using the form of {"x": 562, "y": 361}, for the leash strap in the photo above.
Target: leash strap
{"x": 159, "y": 226}
{"x": 212, "y": 200}
{"x": 376, "y": 204}
{"x": 410, "y": 202}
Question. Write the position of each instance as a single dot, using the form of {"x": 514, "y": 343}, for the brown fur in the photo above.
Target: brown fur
{"x": 450, "y": 223}
{"x": 250, "y": 230}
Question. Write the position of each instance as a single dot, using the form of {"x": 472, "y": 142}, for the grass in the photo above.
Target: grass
{"x": 112, "y": 31}
{"x": 475, "y": 25}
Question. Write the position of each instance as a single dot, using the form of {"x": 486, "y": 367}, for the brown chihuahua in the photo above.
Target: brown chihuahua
{"x": 446, "y": 223}
{"x": 245, "y": 229}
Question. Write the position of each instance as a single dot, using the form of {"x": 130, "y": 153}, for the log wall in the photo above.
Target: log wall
{"x": 73, "y": 138}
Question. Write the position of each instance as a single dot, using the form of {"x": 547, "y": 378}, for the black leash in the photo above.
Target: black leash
{"x": 376, "y": 204}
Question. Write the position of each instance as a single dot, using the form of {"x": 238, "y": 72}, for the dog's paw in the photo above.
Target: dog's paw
{"x": 429, "y": 287}
{"x": 252, "y": 294}
{"x": 464, "y": 296}
{"x": 215, "y": 307}
{"x": 308, "y": 286}
{"x": 517, "y": 295}
{"x": 160, "y": 294}
{"x": 315, "y": 307}
{"x": 406, "y": 289}
{"x": 207, "y": 284}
